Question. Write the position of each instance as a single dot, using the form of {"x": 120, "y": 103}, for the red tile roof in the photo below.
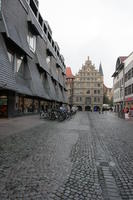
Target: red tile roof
{"x": 69, "y": 73}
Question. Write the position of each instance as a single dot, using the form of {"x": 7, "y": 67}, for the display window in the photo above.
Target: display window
{"x": 36, "y": 106}
{"x": 3, "y": 106}
{"x": 28, "y": 105}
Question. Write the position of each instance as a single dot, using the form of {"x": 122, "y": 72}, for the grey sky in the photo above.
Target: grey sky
{"x": 100, "y": 29}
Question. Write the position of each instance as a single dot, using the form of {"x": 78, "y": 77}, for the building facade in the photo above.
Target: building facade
{"x": 69, "y": 85}
{"x": 128, "y": 66}
{"x": 32, "y": 70}
{"x": 108, "y": 92}
{"x": 119, "y": 84}
{"x": 88, "y": 87}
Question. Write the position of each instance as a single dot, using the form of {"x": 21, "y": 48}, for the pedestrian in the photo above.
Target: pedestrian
{"x": 99, "y": 110}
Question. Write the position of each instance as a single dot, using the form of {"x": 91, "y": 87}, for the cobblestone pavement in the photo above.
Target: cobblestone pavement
{"x": 89, "y": 157}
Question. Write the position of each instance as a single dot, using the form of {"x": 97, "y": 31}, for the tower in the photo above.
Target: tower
{"x": 100, "y": 69}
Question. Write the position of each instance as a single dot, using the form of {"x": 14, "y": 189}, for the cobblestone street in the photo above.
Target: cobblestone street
{"x": 89, "y": 157}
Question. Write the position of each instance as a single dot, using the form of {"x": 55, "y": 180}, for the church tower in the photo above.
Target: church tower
{"x": 100, "y": 69}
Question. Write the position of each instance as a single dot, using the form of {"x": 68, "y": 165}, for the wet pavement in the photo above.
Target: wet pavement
{"x": 89, "y": 157}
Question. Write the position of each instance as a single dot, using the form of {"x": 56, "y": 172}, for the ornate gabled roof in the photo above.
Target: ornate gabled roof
{"x": 69, "y": 73}
{"x": 100, "y": 69}
{"x": 120, "y": 61}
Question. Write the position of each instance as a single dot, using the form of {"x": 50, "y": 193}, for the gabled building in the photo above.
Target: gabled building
{"x": 108, "y": 92}
{"x": 119, "y": 84}
{"x": 128, "y": 70}
{"x": 32, "y": 70}
{"x": 88, "y": 87}
{"x": 69, "y": 85}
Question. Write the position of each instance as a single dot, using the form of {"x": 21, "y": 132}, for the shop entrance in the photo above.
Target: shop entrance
{"x": 3, "y": 106}
{"x": 87, "y": 108}
{"x": 79, "y": 108}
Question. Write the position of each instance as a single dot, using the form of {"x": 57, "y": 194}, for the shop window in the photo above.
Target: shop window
{"x": 36, "y": 106}
{"x": 28, "y": 105}
{"x": 19, "y": 106}
{"x": 3, "y": 106}
{"x": 31, "y": 39}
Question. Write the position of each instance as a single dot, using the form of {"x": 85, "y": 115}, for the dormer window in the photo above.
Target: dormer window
{"x": 10, "y": 56}
{"x": 31, "y": 39}
{"x": 19, "y": 60}
{"x": 48, "y": 59}
{"x": 16, "y": 61}
{"x": 0, "y": 5}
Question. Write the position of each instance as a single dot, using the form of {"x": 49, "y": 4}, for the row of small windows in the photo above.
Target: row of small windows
{"x": 119, "y": 84}
{"x": 88, "y": 92}
{"x": 46, "y": 30}
{"x": 129, "y": 90}
{"x": 86, "y": 84}
{"x": 88, "y": 100}
{"x": 18, "y": 65}
{"x": 129, "y": 75}
{"x": 31, "y": 39}
{"x": 88, "y": 79}
{"x": 88, "y": 74}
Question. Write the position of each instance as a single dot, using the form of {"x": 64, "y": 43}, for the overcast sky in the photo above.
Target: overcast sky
{"x": 100, "y": 29}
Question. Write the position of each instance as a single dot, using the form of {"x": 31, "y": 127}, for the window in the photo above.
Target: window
{"x": 49, "y": 37}
{"x": 19, "y": 61}
{"x": 11, "y": 57}
{"x": 95, "y": 91}
{"x": 98, "y": 84}
{"x": 31, "y": 41}
{"x": 48, "y": 59}
{"x": 0, "y": 5}
{"x": 15, "y": 61}
{"x": 98, "y": 99}
{"x": 88, "y": 92}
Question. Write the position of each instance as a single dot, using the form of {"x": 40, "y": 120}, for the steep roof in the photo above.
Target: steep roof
{"x": 69, "y": 73}
{"x": 100, "y": 69}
